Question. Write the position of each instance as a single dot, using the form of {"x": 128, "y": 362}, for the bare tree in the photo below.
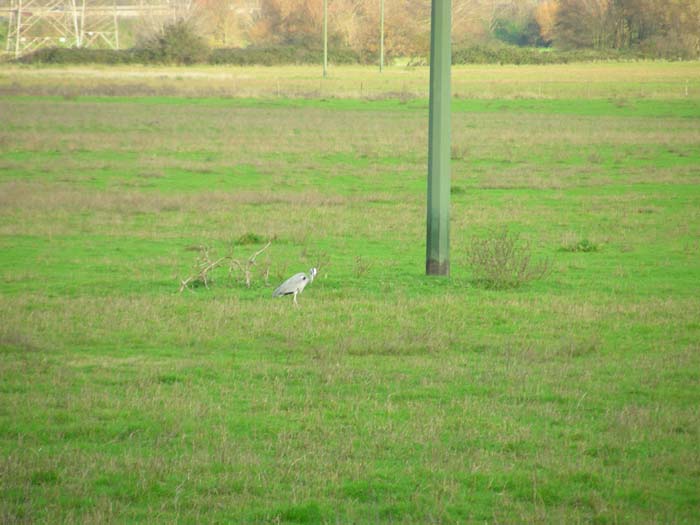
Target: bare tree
{"x": 584, "y": 23}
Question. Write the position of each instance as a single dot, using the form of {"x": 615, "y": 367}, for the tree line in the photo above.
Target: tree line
{"x": 483, "y": 31}
{"x": 669, "y": 28}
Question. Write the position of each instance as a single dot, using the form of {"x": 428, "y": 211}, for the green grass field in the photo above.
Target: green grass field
{"x": 388, "y": 396}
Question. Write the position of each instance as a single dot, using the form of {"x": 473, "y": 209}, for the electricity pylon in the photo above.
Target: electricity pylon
{"x": 72, "y": 23}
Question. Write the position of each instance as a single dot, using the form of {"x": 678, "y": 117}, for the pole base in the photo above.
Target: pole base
{"x": 433, "y": 267}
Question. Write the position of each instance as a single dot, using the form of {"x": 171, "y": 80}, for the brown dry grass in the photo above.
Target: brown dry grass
{"x": 633, "y": 79}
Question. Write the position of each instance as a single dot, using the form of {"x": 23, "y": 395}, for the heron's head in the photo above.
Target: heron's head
{"x": 313, "y": 273}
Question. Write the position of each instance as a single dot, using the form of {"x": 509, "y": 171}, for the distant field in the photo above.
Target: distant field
{"x": 637, "y": 80}
{"x": 388, "y": 396}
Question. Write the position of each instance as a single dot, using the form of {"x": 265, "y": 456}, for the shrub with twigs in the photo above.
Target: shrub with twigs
{"x": 206, "y": 264}
{"x": 502, "y": 260}
{"x": 176, "y": 43}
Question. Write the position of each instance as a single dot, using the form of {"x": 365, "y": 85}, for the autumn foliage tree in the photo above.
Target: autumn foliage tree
{"x": 546, "y": 17}
{"x": 584, "y": 23}
{"x": 406, "y": 28}
{"x": 287, "y": 21}
{"x": 660, "y": 28}
{"x": 224, "y": 21}
{"x": 656, "y": 27}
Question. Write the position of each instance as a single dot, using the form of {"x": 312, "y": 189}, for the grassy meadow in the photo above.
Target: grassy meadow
{"x": 387, "y": 396}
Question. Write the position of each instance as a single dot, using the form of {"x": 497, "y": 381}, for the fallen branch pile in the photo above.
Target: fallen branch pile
{"x": 205, "y": 265}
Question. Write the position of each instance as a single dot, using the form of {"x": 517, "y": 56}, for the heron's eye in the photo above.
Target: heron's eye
{"x": 303, "y": 278}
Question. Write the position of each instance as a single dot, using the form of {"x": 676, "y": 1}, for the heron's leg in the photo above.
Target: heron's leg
{"x": 295, "y": 299}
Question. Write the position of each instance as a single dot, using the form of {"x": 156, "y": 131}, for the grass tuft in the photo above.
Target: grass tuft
{"x": 575, "y": 244}
{"x": 44, "y": 477}
{"x": 251, "y": 238}
{"x": 305, "y": 513}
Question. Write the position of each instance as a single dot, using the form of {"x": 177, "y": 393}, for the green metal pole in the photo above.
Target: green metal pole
{"x": 325, "y": 38}
{"x": 438, "y": 235}
{"x": 381, "y": 35}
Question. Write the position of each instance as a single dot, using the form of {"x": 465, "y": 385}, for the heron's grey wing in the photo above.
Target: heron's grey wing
{"x": 290, "y": 285}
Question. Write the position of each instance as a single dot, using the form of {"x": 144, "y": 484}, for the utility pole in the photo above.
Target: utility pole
{"x": 437, "y": 261}
{"x": 325, "y": 38}
{"x": 381, "y": 35}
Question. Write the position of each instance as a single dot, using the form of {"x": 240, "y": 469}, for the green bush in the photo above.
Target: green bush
{"x": 282, "y": 54}
{"x": 66, "y": 55}
{"x": 165, "y": 49}
{"x": 483, "y": 54}
{"x": 177, "y": 43}
{"x": 517, "y": 32}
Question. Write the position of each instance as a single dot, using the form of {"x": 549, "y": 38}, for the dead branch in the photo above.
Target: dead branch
{"x": 205, "y": 265}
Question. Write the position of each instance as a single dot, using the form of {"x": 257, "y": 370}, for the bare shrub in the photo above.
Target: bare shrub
{"x": 502, "y": 260}
{"x": 206, "y": 264}
{"x": 176, "y": 43}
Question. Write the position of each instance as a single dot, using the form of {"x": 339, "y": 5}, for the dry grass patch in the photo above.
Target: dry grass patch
{"x": 599, "y": 80}
{"x": 44, "y": 197}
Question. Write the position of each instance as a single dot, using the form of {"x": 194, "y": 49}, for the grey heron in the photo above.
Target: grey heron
{"x": 295, "y": 284}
